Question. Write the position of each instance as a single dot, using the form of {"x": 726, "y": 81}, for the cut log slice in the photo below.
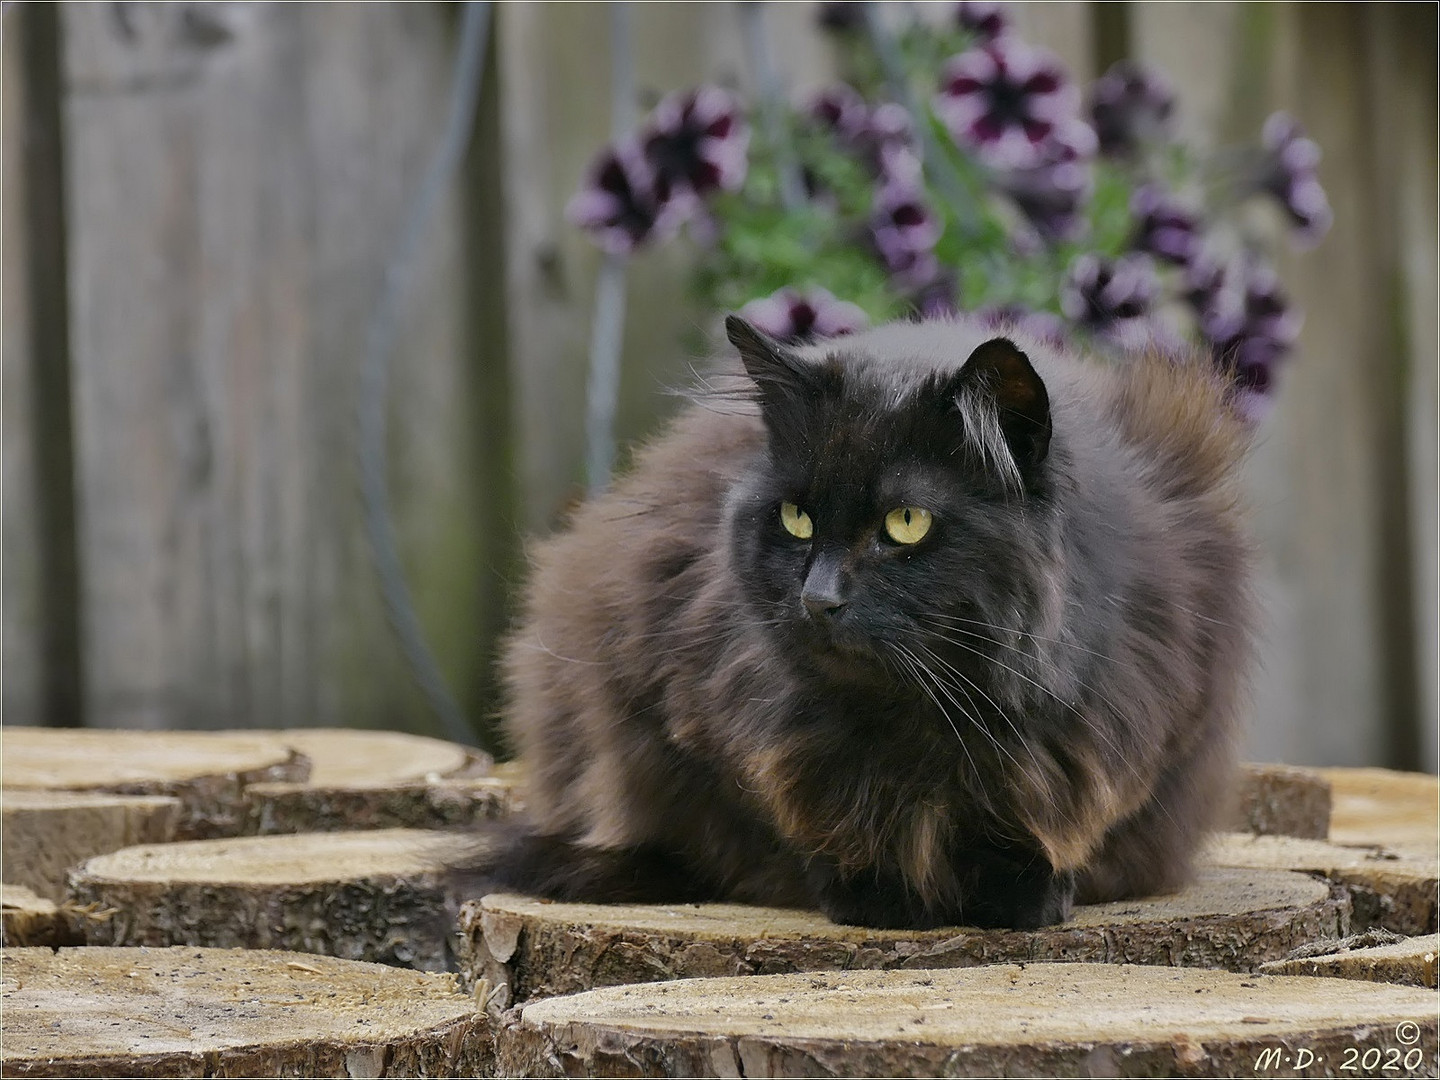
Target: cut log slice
{"x": 350, "y": 757}
{"x": 437, "y": 804}
{"x": 205, "y": 770}
{"x": 215, "y": 1012}
{"x": 1396, "y": 810}
{"x": 30, "y": 919}
{"x": 1410, "y": 961}
{"x": 48, "y": 833}
{"x": 514, "y": 948}
{"x": 1281, "y": 800}
{"x": 375, "y": 895}
{"x": 1388, "y": 889}
{"x": 1042, "y": 1019}
{"x": 379, "y": 780}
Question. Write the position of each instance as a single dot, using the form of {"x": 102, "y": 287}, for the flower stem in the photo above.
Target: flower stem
{"x": 934, "y": 160}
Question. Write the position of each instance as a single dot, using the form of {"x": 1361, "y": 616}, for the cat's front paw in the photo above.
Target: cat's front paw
{"x": 1019, "y": 895}
{"x": 879, "y": 901}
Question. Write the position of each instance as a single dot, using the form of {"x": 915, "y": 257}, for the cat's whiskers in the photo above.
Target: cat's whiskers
{"x": 540, "y": 646}
{"x": 947, "y": 688}
{"x": 938, "y": 616}
{"x": 1099, "y": 732}
{"x": 1120, "y": 756}
{"x": 966, "y": 680}
{"x": 911, "y": 665}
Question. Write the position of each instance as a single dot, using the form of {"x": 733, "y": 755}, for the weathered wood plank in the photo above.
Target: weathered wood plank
{"x": 42, "y": 675}
{"x": 249, "y": 167}
{"x": 1343, "y": 474}
{"x": 231, "y": 1013}
{"x": 21, "y": 580}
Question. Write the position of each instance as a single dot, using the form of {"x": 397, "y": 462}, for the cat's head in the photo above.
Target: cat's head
{"x": 899, "y": 492}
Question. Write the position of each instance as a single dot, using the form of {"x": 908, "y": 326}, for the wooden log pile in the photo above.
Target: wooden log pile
{"x": 183, "y": 861}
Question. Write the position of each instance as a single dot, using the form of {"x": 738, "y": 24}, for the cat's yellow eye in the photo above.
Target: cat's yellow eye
{"x": 907, "y": 524}
{"x": 797, "y": 523}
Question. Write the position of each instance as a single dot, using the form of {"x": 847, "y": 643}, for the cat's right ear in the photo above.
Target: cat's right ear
{"x": 780, "y": 376}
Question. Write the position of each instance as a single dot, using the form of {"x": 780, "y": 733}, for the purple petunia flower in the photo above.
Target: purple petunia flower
{"x": 940, "y": 296}
{"x": 1289, "y": 173}
{"x": 1163, "y": 227}
{"x": 1052, "y": 194}
{"x": 1129, "y": 105}
{"x": 620, "y": 204}
{"x": 841, "y": 110}
{"x": 795, "y": 316}
{"x": 904, "y": 231}
{"x": 985, "y": 20}
{"x": 696, "y": 142}
{"x": 1006, "y": 100}
{"x": 881, "y": 136}
{"x": 1249, "y": 325}
{"x": 1041, "y": 325}
{"x": 1099, "y": 294}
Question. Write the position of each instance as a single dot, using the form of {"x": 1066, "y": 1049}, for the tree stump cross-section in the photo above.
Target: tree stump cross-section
{"x": 231, "y": 1013}
{"x": 48, "y": 833}
{"x": 1395, "y": 890}
{"x": 1043, "y": 1019}
{"x": 376, "y": 895}
{"x": 514, "y": 948}
{"x": 206, "y": 770}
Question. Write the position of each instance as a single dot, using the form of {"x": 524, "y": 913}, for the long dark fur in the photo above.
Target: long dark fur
{"x": 1035, "y": 702}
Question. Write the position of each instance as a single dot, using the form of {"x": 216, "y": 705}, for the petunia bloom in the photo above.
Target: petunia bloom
{"x": 696, "y": 141}
{"x": 620, "y": 203}
{"x": 1053, "y": 194}
{"x": 985, "y": 20}
{"x": 1289, "y": 173}
{"x": 1163, "y": 227}
{"x": 1041, "y": 325}
{"x": 904, "y": 231}
{"x": 1130, "y": 104}
{"x": 798, "y": 316}
{"x": 1249, "y": 325}
{"x": 1100, "y": 293}
{"x": 1005, "y": 100}
{"x": 881, "y": 136}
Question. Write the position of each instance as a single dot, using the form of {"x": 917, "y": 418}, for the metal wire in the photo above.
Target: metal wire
{"x": 767, "y": 86}
{"x": 375, "y": 374}
{"x": 607, "y": 331}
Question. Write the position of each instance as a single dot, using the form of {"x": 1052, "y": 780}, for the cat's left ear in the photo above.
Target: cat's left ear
{"x": 779, "y": 376}
{"x": 999, "y": 376}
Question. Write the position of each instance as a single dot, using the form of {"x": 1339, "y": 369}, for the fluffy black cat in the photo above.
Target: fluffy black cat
{"x": 932, "y": 626}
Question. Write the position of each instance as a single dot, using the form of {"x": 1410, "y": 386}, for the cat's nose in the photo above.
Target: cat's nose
{"x": 822, "y": 605}
{"x": 823, "y": 592}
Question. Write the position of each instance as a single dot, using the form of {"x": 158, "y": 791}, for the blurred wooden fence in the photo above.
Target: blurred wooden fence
{"x": 201, "y": 200}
